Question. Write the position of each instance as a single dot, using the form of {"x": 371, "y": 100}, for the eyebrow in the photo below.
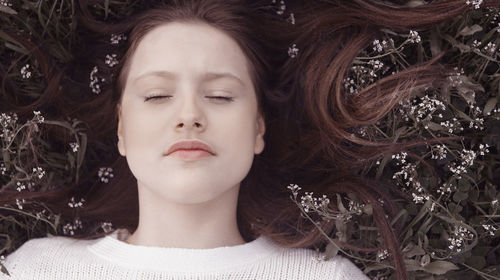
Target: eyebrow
{"x": 209, "y": 76}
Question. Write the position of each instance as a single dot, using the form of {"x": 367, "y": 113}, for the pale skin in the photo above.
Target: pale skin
{"x": 188, "y": 204}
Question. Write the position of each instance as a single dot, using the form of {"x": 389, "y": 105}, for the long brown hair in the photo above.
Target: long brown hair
{"x": 309, "y": 117}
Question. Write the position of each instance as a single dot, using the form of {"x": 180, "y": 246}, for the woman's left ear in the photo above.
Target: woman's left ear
{"x": 120, "y": 144}
{"x": 261, "y": 129}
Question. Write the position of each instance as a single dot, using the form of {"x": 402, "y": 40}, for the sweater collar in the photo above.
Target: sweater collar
{"x": 113, "y": 248}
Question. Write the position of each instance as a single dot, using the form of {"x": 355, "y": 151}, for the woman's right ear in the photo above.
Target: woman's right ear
{"x": 120, "y": 144}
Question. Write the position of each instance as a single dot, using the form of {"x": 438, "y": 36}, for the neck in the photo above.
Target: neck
{"x": 203, "y": 225}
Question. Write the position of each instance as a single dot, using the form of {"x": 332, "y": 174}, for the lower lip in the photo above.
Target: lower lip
{"x": 190, "y": 154}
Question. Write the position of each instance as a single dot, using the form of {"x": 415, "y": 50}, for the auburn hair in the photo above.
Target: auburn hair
{"x": 309, "y": 117}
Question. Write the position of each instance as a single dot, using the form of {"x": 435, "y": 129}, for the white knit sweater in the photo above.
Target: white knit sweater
{"x": 110, "y": 258}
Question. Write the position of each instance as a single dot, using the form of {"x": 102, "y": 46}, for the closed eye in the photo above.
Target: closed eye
{"x": 224, "y": 98}
{"x": 155, "y": 97}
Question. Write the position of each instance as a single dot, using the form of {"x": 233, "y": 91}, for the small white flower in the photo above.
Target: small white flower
{"x": 5, "y": 3}
{"x": 459, "y": 236}
{"x": 445, "y": 188}
{"x": 105, "y": 174}
{"x": 355, "y": 207}
{"x": 494, "y": 202}
{"x": 382, "y": 254}
{"x": 377, "y": 64}
{"x": 490, "y": 229}
{"x": 41, "y": 214}
{"x": 294, "y": 188}
{"x": 441, "y": 152}
{"x": 414, "y": 37}
{"x": 111, "y": 60}
{"x": 282, "y": 7}
{"x": 115, "y": 39}
{"x": 38, "y": 172}
{"x": 457, "y": 169}
{"x": 20, "y": 186}
{"x": 8, "y": 121}
{"x": 20, "y": 203}
{"x": 476, "y": 3}
{"x": 38, "y": 117}
{"x": 490, "y": 48}
{"x": 483, "y": 147}
{"x": 3, "y": 169}
{"x": 94, "y": 81}
{"x": 377, "y": 46}
{"x": 291, "y": 18}
{"x": 74, "y": 146}
{"x": 420, "y": 198}
{"x": 293, "y": 51}
{"x": 71, "y": 228}
{"x": 25, "y": 73}
{"x": 107, "y": 227}
{"x": 468, "y": 157}
{"x": 73, "y": 204}
{"x": 433, "y": 205}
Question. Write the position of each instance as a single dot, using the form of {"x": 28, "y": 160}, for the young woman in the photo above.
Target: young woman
{"x": 214, "y": 112}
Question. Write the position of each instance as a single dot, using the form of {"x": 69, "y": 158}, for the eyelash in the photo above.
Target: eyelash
{"x": 224, "y": 98}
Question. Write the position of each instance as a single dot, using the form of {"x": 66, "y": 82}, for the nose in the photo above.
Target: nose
{"x": 190, "y": 116}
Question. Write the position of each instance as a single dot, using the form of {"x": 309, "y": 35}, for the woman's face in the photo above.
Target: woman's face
{"x": 189, "y": 64}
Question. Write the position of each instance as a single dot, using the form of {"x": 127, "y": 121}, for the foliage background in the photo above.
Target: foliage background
{"x": 451, "y": 226}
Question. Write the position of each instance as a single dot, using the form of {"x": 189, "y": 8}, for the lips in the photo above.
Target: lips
{"x": 189, "y": 145}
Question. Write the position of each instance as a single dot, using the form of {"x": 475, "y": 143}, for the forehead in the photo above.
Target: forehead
{"x": 188, "y": 48}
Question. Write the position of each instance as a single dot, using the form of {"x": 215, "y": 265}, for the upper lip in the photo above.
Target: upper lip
{"x": 193, "y": 144}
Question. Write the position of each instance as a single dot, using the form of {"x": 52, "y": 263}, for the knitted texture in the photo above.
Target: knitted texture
{"x": 109, "y": 257}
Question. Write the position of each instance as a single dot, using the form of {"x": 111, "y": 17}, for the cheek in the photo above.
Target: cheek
{"x": 140, "y": 128}
{"x": 238, "y": 133}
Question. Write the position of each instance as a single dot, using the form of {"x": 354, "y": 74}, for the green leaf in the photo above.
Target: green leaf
{"x": 331, "y": 250}
{"x": 459, "y": 196}
{"x": 490, "y": 105}
{"x": 454, "y": 208}
{"x": 474, "y": 195}
{"x": 469, "y": 30}
{"x": 7, "y": 10}
{"x": 16, "y": 48}
{"x": 368, "y": 209}
{"x": 476, "y": 262}
{"x": 481, "y": 250}
{"x": 6, "y": 37}
{"x": 83, "y": 148}
{"x": 402, "y": 213}
{"x": 71, "y": 160}
{"x": 413, "y": 265}
{"x": 376, "y": 266}
{"x": 435, "y": 43}
{"x": 59, "y": 123}
{"x": 440, "y": 267}
{"x": 462, "y": 47}
{"x": 415, "y": 251}
{"x": 340, "y": 205}
{"x": 425, "y": 260}
{"x": 382, "y": 165}
{"x": 434, "y": 126}
{"x": 464, "y": 185}
{"x": 4, "y": 270}
{"x": 6, "y": 158}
